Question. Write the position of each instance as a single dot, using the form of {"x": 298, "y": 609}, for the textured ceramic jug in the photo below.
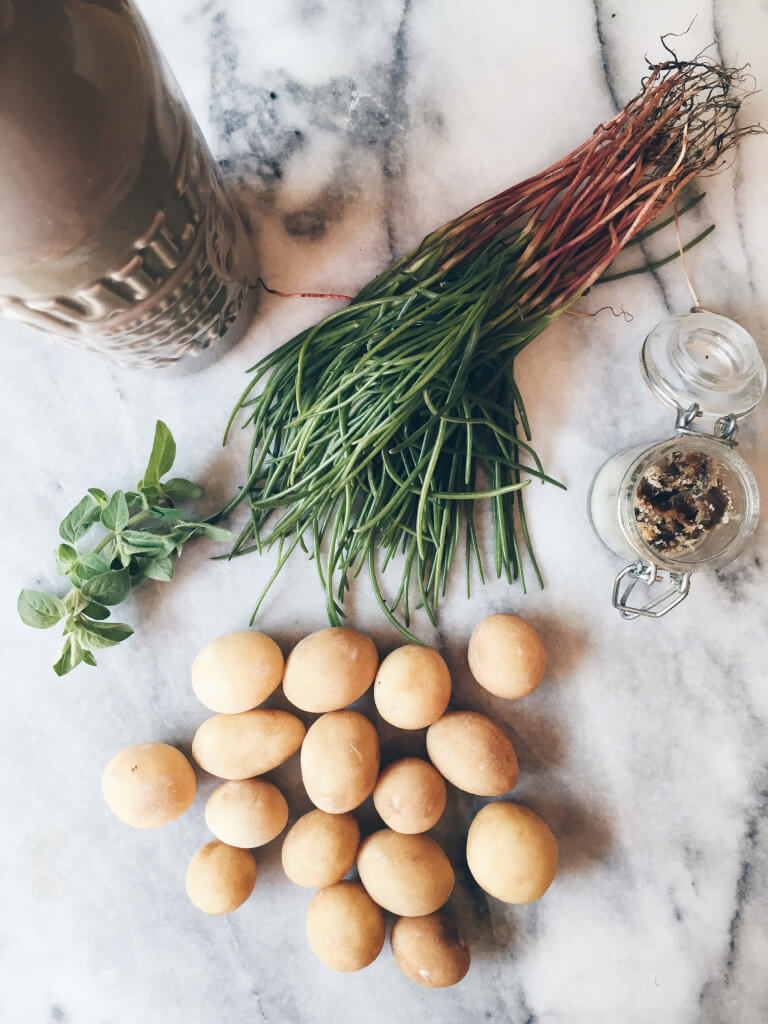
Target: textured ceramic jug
{"x": 117, "y": 234}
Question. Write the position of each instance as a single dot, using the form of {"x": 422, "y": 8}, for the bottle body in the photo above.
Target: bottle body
{"x": 120, "y": 237}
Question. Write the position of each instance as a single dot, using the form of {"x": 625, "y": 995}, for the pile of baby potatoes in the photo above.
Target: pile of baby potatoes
{"x": 511, "y": 852}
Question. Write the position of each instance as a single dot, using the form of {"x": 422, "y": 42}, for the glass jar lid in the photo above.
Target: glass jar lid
{"x": 707, "y": 360}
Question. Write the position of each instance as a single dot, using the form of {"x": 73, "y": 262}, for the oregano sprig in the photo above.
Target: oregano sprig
{"x": 141, "y": 532}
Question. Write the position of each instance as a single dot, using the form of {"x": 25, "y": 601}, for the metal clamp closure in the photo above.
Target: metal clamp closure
{"x": 646, "y": 572}
{"x": 724, "y": 429}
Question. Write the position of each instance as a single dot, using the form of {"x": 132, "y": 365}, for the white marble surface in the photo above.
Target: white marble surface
{"x": 647, "y": 746}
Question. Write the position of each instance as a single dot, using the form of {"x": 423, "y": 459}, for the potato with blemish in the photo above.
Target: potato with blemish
{"x": 430, "y": 950}
{"x": 149, "y": 784}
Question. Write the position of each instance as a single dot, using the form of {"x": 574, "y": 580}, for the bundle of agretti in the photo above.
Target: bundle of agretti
{"x": 376, "y": 432}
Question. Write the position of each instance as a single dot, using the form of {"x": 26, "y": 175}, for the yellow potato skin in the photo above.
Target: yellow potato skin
{"x": 413, "y": 687}
{"x": 511, "y": 852}
{"x": 408, "y": 875}
{"x": 247, "y": 744}
{"x": 330, "y": 669}
{"x": 220, "y": 878}
{"x": 345, "y": 928}
{"x": 320, "y": 848}
{"x": 430, "y": 950}
{"x": 149, "y": 784}
{"x": 506, "y": 656}
{"x": 246, "y": 812}
{"x": 473, "y": 753}
{"x": 237, "y": 671}
{"x": 410, "y": 795}
{"x": 340, "y": 761}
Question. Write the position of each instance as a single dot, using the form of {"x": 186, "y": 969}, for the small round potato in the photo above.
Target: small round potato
{"x": 407, "y": 875}
{"x": 340, "y": 761}
{"x": 413, "y": 687}
{"x": 430, "y": 950}
{"x": 149, "y": 784}
{"x": 410, "y": 795}
{"x": 220, "y": 878}
{"x": 237, "y": 672}
{"x": 511, "y": 852}
{"x": 506, "y": 656}
{"x": 248, "y": 744}
{"x": 320, "y": 848}
{"x": 246, "y": 813}
{"x": 345, "y": 928}
{"x": 473, "y": 753}
{"x": 330, "y": 669}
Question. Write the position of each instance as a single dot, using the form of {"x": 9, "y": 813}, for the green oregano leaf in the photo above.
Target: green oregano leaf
{"x": 103, "y": 634}
{"x": 77, "y": 523}
{"x": 108, "y": 587}
{"x": 96, "y": 611}
{"x": 66, "y": 556}
{"x": 160, "y": 569}
{"x": 179, "y": 489}
{"x": 100, "y": 497}
{"x": 70, "y": 656}
{"x": 162, "y": 456}
{"x": 40, "y": 610}
{"x": 115, "y": 514}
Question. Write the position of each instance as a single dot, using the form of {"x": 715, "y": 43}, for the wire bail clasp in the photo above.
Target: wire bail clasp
{"x": 647, "y": 572}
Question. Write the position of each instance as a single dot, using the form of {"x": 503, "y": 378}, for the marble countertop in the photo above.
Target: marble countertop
{"x": 351, "y": 129}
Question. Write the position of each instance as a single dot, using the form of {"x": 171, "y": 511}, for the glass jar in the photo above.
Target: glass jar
{"x": 690, "y": 502}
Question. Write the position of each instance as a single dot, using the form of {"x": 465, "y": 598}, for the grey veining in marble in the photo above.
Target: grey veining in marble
{"x": 350, "y": 129}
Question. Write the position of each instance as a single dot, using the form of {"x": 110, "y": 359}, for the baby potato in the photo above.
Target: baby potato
{"x": 220, "y": 878}
{"x": 506, "y": 656}
{"x": 345, "y": 928}
{"x": 340, "y": 761}
{"x": 320, "y": 848}
{"x": 149, "y": 784}
{"x": 410, "y": 795}
{"x": 329, "y": 669}
{"x": 430, "y": 950}
{"x": 407, "y": 875}
{"x": 246, "y": 813}
{"x": 250, "y": 743}
{"x": 511, "y": 852}
{"x": 473, "y": 753}
{"x": 237, "y": 672}
{"x": 413, "y": 687}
